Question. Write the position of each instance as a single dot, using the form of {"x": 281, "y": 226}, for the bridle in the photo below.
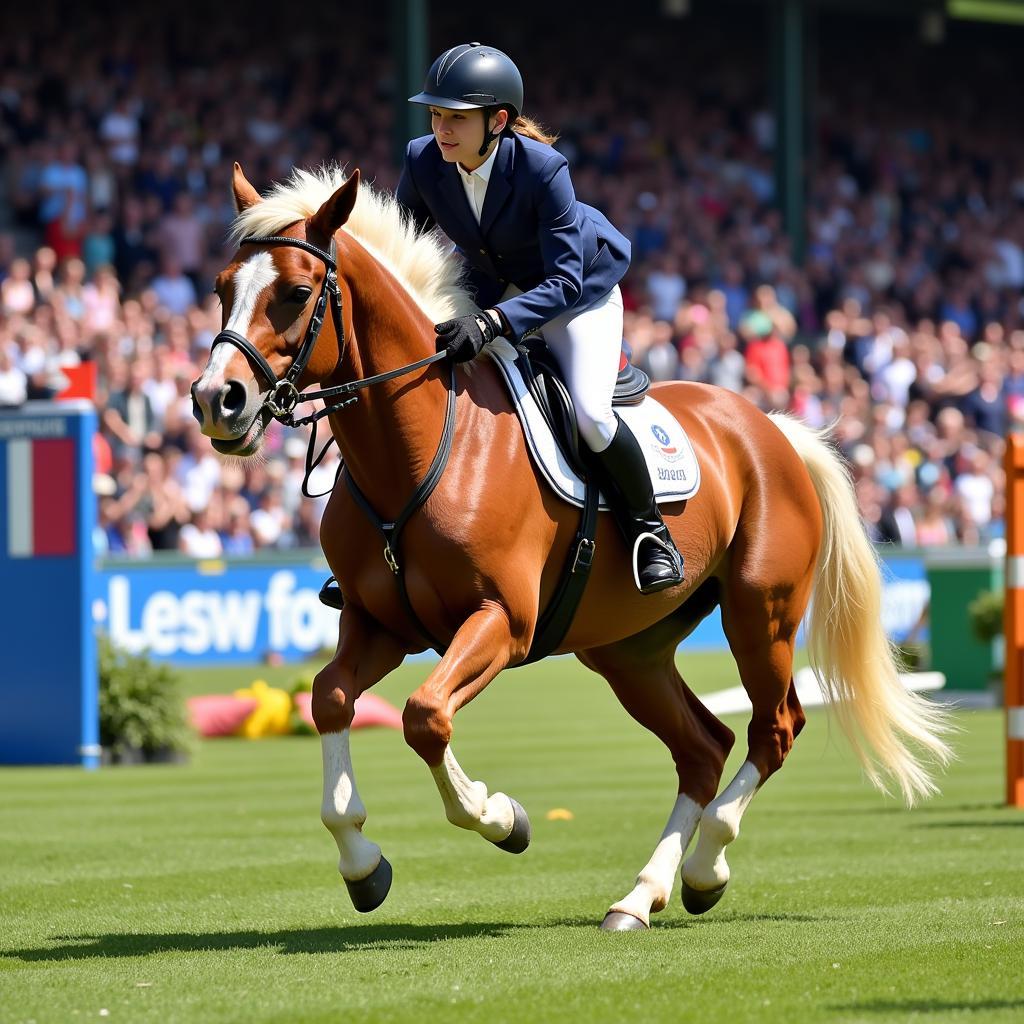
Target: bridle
{"x": 283, "y": 395}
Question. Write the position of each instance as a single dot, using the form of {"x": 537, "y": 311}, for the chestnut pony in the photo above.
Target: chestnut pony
{"x": 774, "y": 522}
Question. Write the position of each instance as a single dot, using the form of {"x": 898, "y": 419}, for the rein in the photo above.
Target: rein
{"x": 283, "y": 396}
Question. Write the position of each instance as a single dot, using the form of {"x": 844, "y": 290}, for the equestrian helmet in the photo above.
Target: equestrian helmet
{"x": 472, "y": 75}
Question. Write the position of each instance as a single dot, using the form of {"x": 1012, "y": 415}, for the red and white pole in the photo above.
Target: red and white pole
{"x": 1013, "y": 621}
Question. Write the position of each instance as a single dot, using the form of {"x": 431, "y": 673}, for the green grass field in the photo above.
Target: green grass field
{"x": 210, "y": 893}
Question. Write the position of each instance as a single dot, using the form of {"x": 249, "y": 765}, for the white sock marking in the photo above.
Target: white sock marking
{"x": 343, "y": 812}
{"x": 653, "y": 887}
{"x": 706, "y": 867}
{"x": 467, "y": 804}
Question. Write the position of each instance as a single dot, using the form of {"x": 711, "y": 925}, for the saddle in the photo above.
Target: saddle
{"x": 543, "y": 377}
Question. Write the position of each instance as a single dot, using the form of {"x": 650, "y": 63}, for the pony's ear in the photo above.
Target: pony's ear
{"x": 338, "y": 208}
{"x": 245, "y": 194}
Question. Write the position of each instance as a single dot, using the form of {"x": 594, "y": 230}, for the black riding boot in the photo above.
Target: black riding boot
{"x": 621, "y": 471}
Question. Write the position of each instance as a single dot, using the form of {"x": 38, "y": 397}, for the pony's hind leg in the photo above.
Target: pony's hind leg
{"x": 642, "y": 673}
{"x": 760, "y": 624}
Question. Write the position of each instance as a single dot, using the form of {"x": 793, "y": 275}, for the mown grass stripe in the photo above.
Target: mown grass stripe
{"x": 209, "y": 892}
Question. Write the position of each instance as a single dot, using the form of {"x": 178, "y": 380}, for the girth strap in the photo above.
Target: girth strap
{"x": 561, "y": 610}
{"x": 554, "y": 623}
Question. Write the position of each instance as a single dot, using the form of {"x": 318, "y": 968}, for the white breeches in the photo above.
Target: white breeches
{"x": 588, "y": 343}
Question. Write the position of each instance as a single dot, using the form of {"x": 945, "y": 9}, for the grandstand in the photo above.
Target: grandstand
{"x": 892, "y": 303}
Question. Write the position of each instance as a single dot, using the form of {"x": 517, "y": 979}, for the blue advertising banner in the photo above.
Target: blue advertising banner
{"x": 246, "y": 611}
{"x": 206, "y": 612}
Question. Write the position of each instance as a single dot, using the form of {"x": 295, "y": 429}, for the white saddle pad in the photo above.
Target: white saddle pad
{"x": 670, "y": 457}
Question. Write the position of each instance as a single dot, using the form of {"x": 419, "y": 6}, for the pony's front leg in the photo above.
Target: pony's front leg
{"x": 365, "y": 654}
{"x": 497, "y": 817}
{"x": 478, "y": 652}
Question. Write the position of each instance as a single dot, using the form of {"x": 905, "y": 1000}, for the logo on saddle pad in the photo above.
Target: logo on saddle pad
{"x": 663, "y": 446}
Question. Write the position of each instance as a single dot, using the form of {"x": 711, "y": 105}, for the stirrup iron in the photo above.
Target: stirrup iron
{"x": 669, "y": 548}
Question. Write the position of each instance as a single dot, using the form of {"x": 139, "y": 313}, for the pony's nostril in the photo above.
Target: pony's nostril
{"x": 233, "y": 397}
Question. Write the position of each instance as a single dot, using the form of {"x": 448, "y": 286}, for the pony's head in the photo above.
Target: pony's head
{"x": 276, "y": 294}
{"x": 281, "y": 283}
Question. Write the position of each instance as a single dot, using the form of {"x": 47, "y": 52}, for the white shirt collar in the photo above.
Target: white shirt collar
{"x": 484, "y": 170}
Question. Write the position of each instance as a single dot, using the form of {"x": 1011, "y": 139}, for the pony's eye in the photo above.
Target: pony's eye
{"x": 300, "y": 295}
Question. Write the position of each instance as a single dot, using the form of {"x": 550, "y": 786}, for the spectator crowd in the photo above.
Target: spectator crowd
{"x": 902, "y": 327}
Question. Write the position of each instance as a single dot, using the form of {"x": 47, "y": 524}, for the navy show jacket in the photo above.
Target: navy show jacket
{"x": 532, "y": 233}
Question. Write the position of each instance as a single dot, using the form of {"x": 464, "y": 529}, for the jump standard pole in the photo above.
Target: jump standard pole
{"x": 1013, "y": 621}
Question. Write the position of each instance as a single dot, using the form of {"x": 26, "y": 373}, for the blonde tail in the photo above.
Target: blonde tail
{"x": 848, "y": 648}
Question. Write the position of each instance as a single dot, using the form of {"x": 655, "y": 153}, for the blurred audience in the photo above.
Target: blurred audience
{"x": 902, "y": 325}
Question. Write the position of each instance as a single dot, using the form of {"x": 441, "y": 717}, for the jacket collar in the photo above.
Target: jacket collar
{"x": 499, "y": 187}
{"x": 484, "y": 170}
{"x": 449, "y": 183}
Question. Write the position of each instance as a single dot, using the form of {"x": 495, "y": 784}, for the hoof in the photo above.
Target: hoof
{"x": 617, "y": 922}
{"x": 370, "y": 892}
{"x": 699, "y": 901}
{"x": 519, "y": 838}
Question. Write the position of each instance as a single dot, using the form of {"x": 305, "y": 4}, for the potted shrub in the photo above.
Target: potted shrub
{"x": 986, "y": 615}
{"x": 300, "y": 685}
{"x": 912, "y": 655}
{"x": 142, "y": 708}
{"x": 986, "y": 612}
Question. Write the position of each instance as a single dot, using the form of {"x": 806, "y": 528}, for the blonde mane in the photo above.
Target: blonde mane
{"x": 420, "y": 261}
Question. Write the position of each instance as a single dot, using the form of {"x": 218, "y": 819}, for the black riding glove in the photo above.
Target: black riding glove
{"x": 464, "y": 337}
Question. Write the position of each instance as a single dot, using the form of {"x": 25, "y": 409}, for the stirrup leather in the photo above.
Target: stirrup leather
{"x": 667, "y": 547}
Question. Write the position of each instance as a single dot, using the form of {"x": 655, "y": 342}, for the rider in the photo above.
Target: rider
{"x": 538, "y": 259}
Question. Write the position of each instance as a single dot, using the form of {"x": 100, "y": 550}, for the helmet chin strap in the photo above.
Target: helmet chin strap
{"x": 489, "y": 136}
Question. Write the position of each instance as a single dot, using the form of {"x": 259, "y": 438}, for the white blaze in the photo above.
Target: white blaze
{"x": 255, "y": 274}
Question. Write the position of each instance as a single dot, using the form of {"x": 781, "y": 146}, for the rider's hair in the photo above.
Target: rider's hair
{"x": 532, "y": 130}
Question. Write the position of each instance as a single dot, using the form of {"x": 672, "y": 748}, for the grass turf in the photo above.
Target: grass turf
{"x": 209, "y": 892}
